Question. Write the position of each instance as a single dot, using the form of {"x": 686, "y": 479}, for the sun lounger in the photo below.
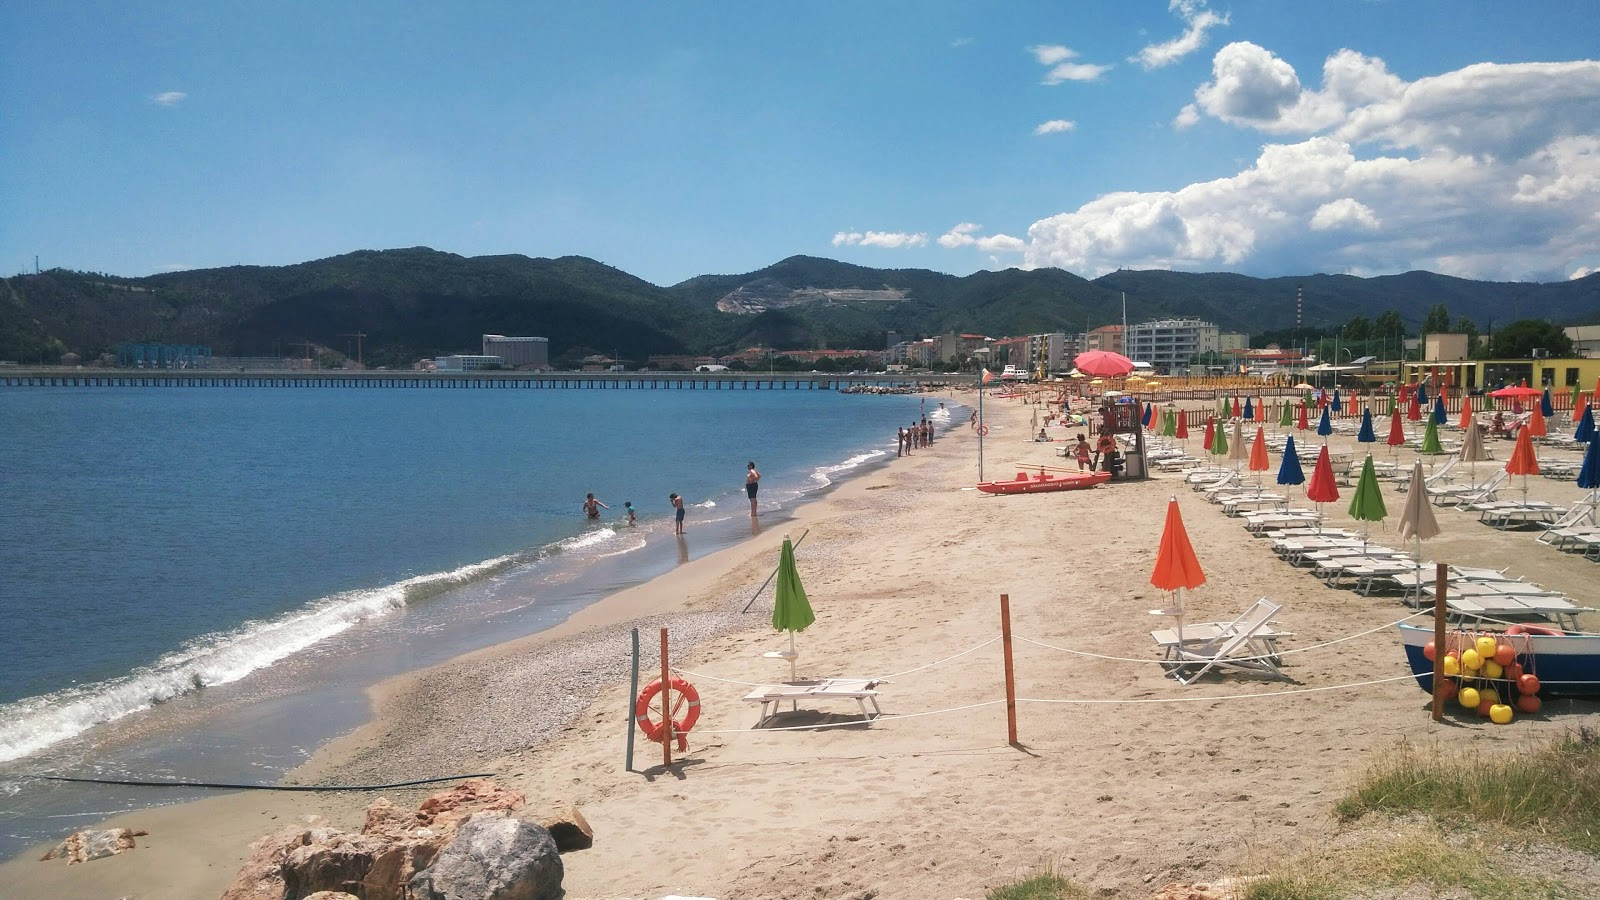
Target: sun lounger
{"x": 1232, "y": 506}
{"x": 1465, "y": 494}
{"x": 1516, "y": 515}
{"x": 860, "y": 690}
{"x": 1240, "y": 645}
{"x": 1582, "y": 511}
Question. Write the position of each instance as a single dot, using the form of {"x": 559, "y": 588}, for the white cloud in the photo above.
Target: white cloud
{"x": 1186, "y": 117}
{"x": 1054, "y": 125}
{"x": 964, "y": 235}
{"x": 886, "y": 239}
{"x": 961, "y": 42}
{"x": 168, "y": 98}
{"x": 1199, "y": 20}
{"x": 1056, "y": 57}
{"x": 1344, "y": 213}
{"x": 1581, "y": 272}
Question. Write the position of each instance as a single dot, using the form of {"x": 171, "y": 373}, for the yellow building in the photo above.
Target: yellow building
{"x": 1559, "y": 375}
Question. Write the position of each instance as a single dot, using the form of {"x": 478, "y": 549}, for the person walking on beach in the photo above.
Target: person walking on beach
{"x": 592, "y": 507}
{"x": 1081, "y": 451}
{"x": 752, "y": 483}
{"x": 900, "y": 443}
{"x": 973, "y": 422}
{"x": 677, "y": 511}
{"x": 927, "y": 430}
{"x": 628, "y": 507}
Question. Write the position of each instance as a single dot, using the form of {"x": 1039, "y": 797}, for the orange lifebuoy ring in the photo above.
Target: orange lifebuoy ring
{"x": 1535, "y": 629}
{"x": 983, "y": 429}
{"x": 680, "y": 727}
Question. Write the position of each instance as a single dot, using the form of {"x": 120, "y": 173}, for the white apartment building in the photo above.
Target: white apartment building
{"x": 1169, "y": 344}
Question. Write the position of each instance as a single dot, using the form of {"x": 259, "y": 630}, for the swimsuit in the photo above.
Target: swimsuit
{"x": 750, "y": 488}
{"x": 680, "y": 514}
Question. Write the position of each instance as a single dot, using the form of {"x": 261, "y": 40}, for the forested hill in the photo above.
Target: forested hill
{"x": 420, "y": 302}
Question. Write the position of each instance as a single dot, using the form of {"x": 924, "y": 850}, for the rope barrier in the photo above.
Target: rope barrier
{"x": 308, "y": 788}
{"x": 937, "y": 662}
{"x": 888, "y": 716}
{"x": 1283, "y": 653}
{"x": 1312, "y": 690}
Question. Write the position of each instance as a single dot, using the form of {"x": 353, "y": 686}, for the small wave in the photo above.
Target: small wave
{"x": 34, "y": 723}
{"x": 706, "y": 505}
{"x": 823, "y": 474}
{"x": 629, "y": 548}
{"x": 586, "y": 540}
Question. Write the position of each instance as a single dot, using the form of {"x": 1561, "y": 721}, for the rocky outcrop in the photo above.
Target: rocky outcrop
{"x": 494, "y": 857}
{"x": 570, "y": 830}
{"x": 511, "y": 858}
{"x": 82, "y": 846}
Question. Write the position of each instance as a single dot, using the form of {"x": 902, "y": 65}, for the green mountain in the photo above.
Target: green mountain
{"x": 419, "y": 302}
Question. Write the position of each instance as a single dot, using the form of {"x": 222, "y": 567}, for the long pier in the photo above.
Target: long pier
{"x": 702, "y": 381}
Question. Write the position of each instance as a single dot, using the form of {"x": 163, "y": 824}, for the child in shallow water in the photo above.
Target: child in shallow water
{"x": 628, "y": 507}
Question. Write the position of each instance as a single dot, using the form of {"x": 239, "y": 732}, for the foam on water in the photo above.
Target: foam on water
{"x": 34, "y": 723}
{"x": 824, "y": 474}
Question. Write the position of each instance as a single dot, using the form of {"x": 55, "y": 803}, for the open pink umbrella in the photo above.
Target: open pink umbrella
{"x": 1103, "y": 364}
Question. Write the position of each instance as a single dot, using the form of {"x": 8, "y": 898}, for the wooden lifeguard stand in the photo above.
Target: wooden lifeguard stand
{"x": 1124, "y": 418}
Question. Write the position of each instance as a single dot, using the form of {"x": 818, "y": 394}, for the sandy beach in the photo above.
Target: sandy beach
{"x": 1113, "y": 783}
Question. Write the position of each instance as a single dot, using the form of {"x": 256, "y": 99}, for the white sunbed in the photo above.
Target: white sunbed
{"x": 1247, "y": 644}
{"x": 861, "y": 690}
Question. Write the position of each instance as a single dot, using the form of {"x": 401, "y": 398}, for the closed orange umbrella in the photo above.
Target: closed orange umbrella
{"x": 1536, "y": 422}
{"x": 1523, "y": 461}
{"x": 1177, "y": 566}
{"x": 1466, "y": 411}
{"x": 1258, "y": 452}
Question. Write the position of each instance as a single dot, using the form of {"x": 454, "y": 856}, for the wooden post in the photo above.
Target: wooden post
{"x": 1011, "y": 684}
{"x": 633, "y": 691}
{"x": 666, "y": 704}
{"x": 1442, "y": 579}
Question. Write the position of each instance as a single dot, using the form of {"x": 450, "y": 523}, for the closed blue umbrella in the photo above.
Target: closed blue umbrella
{"x": 1439, "y": 414}
{"x": 1334, "y": 404}
{"x": 1589, "y": 472}
{"x": 1367, "y": 435}
{"x": 1585, "y": 430}
{"x": 1544, "y": 403}
{"x": 1422, "y": 393}
{"x": 1249, "y": 409}
{"x": 1289, "y": 470}
{"x": 1325, "y": 424}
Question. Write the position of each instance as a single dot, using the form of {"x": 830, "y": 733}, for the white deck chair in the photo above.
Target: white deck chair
{"x": 1467, "y": 494}
{"x": 1238, "y": 645}
{"x": 861, "y": 690}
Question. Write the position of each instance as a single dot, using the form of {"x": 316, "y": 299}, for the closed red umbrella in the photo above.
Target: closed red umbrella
{"x": 1211, "y": 432}
{"x": 1536, "y": 422}
{"x": 1183, "y": 426}
{"x": 1177, "y": 566}
{"x": 1523, "y": 461}
{"x": 1258, "y": 453}
{"x": 1322, "y": 488}
{"x": 1466, "y": 411}
{"x": 1303, "y": 424}
{"x": 1414, "y": 410}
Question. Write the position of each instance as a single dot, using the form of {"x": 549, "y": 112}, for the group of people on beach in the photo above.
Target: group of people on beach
{"x": 919, "y": 434}
{"x": 752, "y": 486}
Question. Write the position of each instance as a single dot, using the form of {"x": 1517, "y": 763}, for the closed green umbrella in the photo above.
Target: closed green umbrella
{"x": 1430, "y": 438}
{"x": 791, "y": 611}
{"x": 1227, "y": 409}
{"x": 1219, "y": 443}
{"x": 1367, "y": 504}
{"x": 1287, "y": 418}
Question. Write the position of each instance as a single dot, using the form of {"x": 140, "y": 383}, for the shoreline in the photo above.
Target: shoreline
{"x": 904, "y": 569}
{"x": 571, "y": 647}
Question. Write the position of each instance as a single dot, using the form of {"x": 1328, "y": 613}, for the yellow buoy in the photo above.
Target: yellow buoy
{"x": 1500, "y": 714}
{"x": 1492, "y": 669}
{"x": 1470, "y": 660}
{"x": 1452, "y": 666}
{"x": 1468, "y": 698}
{"x": 1489, "y": 694}
{"x": 1485, "y": 647}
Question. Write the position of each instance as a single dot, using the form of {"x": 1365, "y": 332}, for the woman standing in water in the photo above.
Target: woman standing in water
{"x": 752, "y": 483}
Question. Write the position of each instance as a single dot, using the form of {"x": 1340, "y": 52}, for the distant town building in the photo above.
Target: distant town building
{"x": 1441, "y": 346}
{"x": 1169, "y": 344}
{"x": 465, "y": 363}
{"x": 518, "y": 352}
{"x": 1106, "y": 337}
{"x": 1047, "y": 351}
{"x": 1585, "y": 340}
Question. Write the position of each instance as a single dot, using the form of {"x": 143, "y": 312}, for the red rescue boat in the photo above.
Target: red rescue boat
{"x": 1042, "y": 482}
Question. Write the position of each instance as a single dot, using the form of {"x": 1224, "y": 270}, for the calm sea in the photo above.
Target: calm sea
{"x": 180, "y": 569}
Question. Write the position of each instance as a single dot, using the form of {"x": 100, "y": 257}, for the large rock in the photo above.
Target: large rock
{"x": 82, "y": 846}
{"x": 446, "y": 809}
{"x": 298, "y": 862}
{"x": 570, "y": 829}
{"x": 494, "y": 857}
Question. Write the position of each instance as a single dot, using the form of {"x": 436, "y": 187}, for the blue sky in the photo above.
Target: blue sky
{"x": 671, "y": 140}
